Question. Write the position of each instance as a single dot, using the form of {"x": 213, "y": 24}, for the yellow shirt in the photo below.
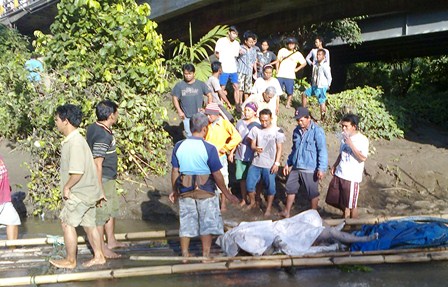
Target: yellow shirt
{"x": 223, "y": 135}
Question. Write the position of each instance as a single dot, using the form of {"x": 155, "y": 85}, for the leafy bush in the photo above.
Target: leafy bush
{"x": 15, "y": 89}
{"x": 97, "y": 50}
{"x": 418, "y": 85}
{"x": 368, "y": 103}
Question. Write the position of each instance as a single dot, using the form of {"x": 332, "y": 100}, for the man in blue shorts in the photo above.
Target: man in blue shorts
{"x": 320, "y": 83}
{"x": 307, "y": 162}
{"x": 289, "y": 62}
{"x": 267, "y": 146}
{"x": 227, "y": 49}
{"x": 194, "y": 176}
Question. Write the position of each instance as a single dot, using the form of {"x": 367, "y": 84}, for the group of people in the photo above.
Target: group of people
{"x": 249, "y": 68}
{"x": 254, "y": 145}
{"x": 199, "y": 163}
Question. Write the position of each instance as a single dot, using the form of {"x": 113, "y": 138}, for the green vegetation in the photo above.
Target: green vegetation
{"x": 97, "y": 50}
{"x": 197, "y": 54}
{"x": 413, "y": 88}
{"x": 368, "y": 103}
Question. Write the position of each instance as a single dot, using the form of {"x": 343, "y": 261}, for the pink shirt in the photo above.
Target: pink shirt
{"x": 5, "y": 190}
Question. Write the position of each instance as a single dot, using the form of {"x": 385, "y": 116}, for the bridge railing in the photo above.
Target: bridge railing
{"x": 9, "y": 8}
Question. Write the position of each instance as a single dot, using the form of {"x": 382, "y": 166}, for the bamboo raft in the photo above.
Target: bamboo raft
{"x": 163, "y": 264}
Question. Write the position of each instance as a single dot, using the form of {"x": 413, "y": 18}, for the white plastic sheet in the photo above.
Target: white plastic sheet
{"x": 294, "y": 236}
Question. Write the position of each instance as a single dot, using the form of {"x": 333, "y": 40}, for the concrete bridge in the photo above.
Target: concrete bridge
{"x": 393, "y": 29}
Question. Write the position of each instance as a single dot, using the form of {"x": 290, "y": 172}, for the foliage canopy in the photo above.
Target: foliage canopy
{"x": 97, "y": 50}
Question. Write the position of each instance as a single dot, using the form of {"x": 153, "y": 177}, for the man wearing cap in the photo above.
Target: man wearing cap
{"x": 307, "y": 162}
{"x": 188, "y": 96}
{"x": 224, "y": 136}
{"x": 227, "y": 49}
{"x": 194, "y": 176}
{"x": 286, "y": 64}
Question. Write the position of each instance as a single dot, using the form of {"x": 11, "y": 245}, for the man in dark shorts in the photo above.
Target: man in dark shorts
{"x": 307, "y": 162}
{"x": 102, "y": 144}
{"x": 347, "y": 171}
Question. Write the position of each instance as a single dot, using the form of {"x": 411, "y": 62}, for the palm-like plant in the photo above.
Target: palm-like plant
{"x": 197, "y": 54}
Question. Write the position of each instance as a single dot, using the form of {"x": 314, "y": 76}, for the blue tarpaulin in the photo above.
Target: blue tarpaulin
{"x": 402, "y": 234}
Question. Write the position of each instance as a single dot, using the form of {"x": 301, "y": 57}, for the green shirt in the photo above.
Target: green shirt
{"x": 76, "y": 158}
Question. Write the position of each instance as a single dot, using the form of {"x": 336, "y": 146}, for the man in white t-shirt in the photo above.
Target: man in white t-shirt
{"x": 343, "y": 190}
{"x": 227, "y": 49}
{"x": 286, "y": 64}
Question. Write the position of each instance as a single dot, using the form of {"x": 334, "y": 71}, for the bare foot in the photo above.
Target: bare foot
{"x": 267, "y": 213}
{"x": 223, "y": 208}
{"x": 116, "y": 244}
{"x": 250, "y": 206}
{"x": 185, "y": 255}
{"x": 284, "y": 214}
{"x": 94, "y": 261}
{"x": 63, "y": 263}
{"x": 243, "y": 203}
{"x": 109, "y": 254}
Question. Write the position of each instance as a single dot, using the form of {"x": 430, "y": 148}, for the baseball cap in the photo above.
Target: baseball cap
{"x": 301, "y": 112}
{"x": 291, "y": 40}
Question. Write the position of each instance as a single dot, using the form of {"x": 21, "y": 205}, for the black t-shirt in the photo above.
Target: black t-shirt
{"x": 102, "y": 144}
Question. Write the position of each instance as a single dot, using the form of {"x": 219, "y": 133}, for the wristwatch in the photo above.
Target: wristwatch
{"x": 277, "y": 163}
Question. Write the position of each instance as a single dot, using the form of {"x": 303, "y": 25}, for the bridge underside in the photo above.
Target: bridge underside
{"x": 273, "y": 17}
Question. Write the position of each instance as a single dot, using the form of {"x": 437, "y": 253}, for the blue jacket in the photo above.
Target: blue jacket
{"x": 309, "y": 151}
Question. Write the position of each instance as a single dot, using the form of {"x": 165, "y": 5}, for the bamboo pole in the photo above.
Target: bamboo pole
{"x": 222, "y": 266}
{"x": 170, "y": 233}
{"x": 82, "y": 239}
{"x": 284, "y": 257}
{"x": 379, "y": 219}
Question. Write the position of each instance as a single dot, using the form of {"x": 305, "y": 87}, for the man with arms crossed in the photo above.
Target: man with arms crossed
{"x": 102, "y": 144}
{"x": 79, "y": 186}
{"x": 194, "y": 176}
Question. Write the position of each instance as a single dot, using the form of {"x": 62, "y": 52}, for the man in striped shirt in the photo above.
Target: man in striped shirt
{"x": 102, "y": 144}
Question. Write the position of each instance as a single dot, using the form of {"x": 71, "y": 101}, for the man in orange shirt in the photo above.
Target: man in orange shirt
{"x": 224, "y": 136}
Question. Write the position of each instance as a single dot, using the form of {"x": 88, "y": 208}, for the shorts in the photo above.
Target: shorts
{"x": 109, "y": 208}
{"x": 342, "y": 193}
{"x": 309, "y": 180}
{"x": 319, "y": 92}
{"x": 224, "y": 78}
{"x": 200, "y": 217}
{"x": 245, "y": 83}
{"x": 253, "y": 177}
{"x": 225, "y": 172}
{"x": 8, "y": 214}
{"x": 288, "y": 84}
{"x": 76, "y": 212}
{"x": 241, "y": 169}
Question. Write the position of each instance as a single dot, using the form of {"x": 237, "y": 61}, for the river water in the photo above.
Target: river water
{"x": 415, "y": 274}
